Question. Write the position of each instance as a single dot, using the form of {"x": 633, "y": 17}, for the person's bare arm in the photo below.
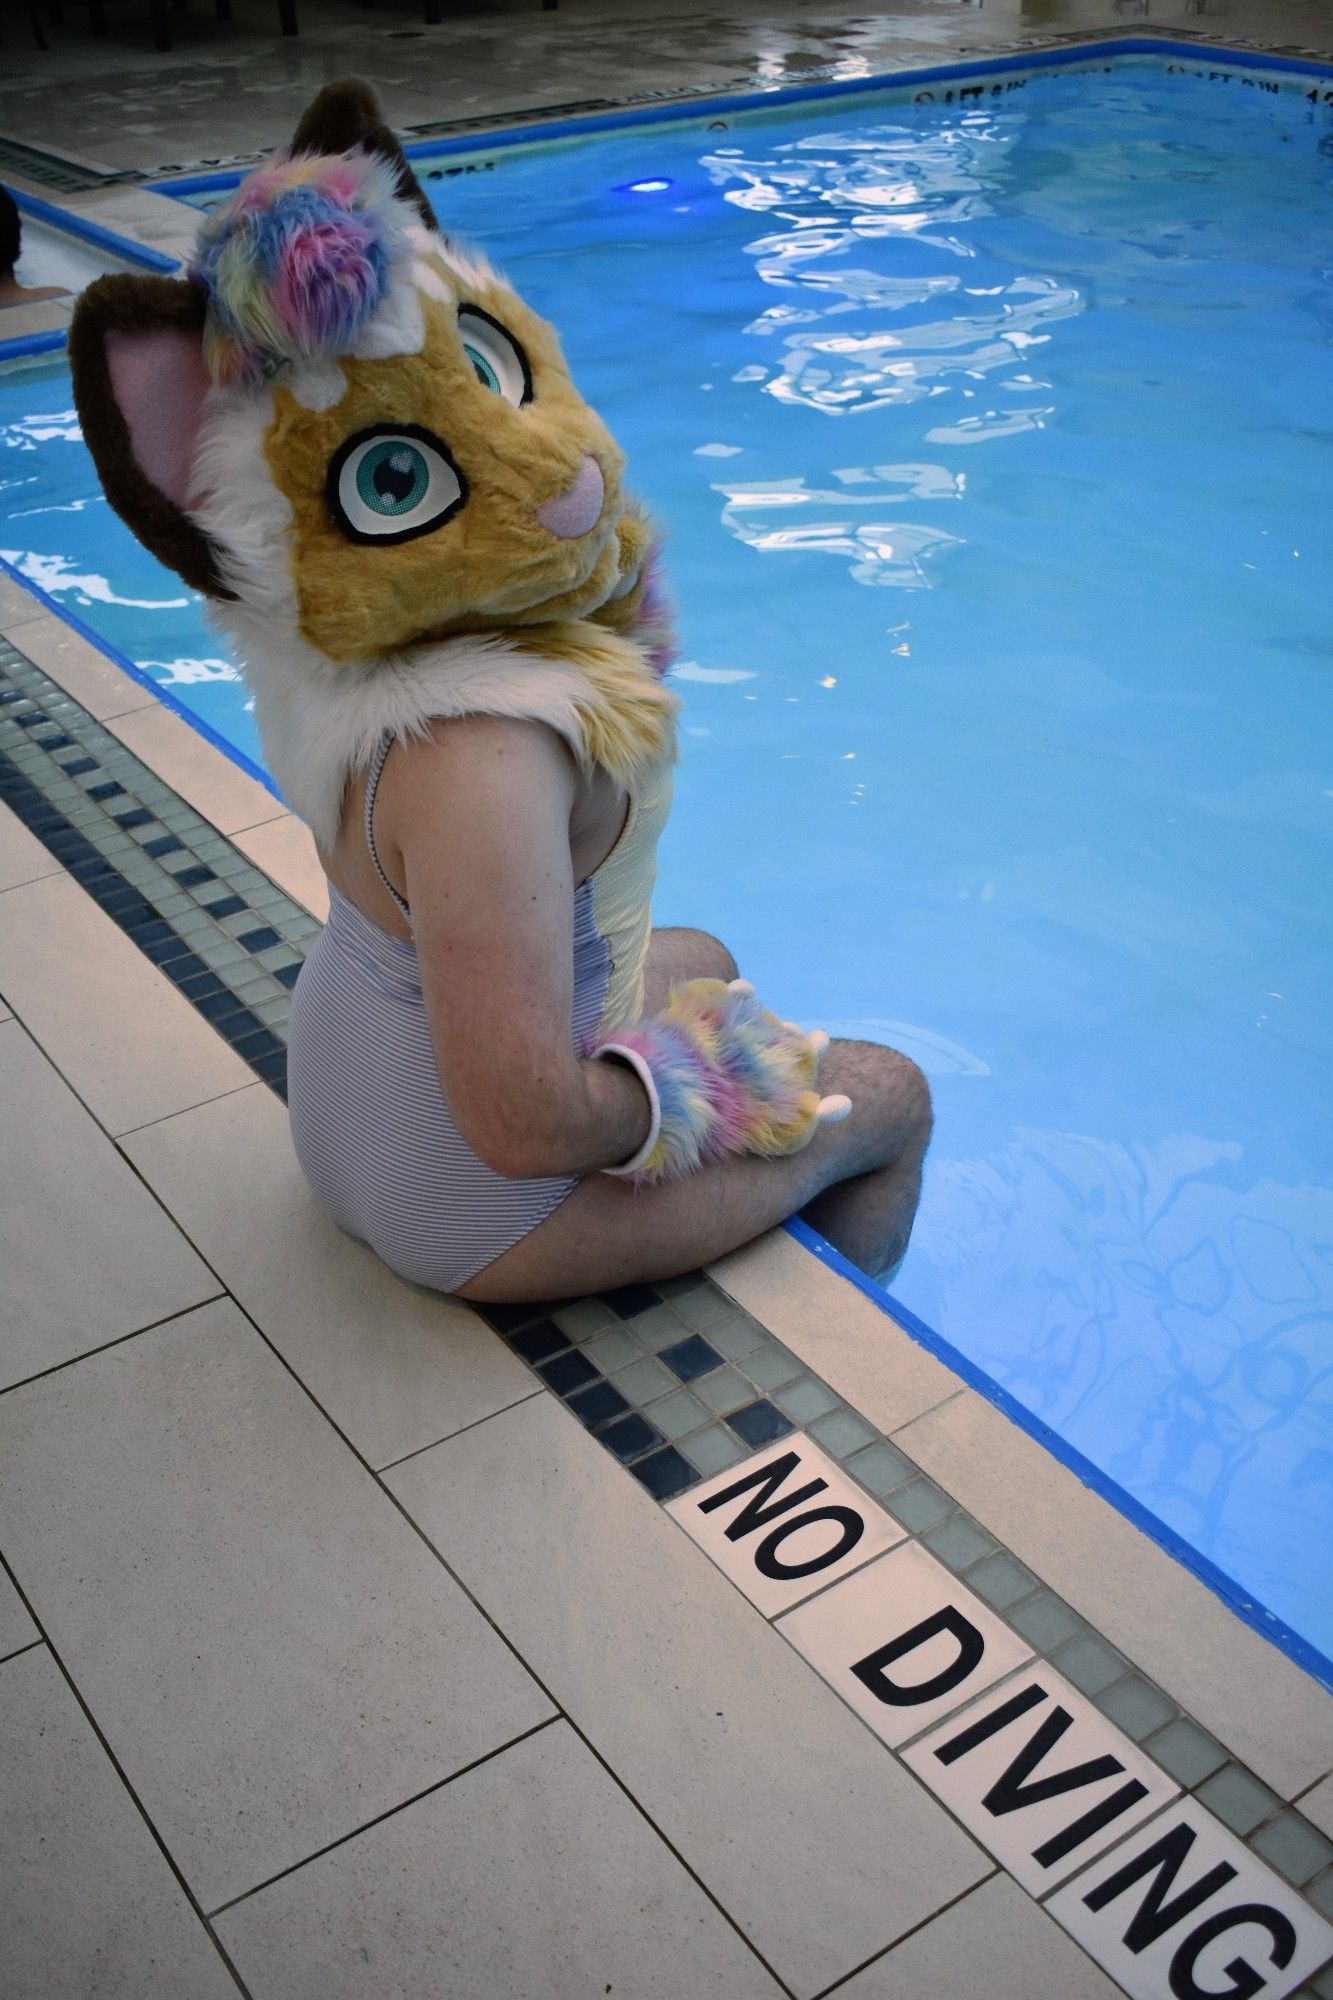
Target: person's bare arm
{"x": 479, "y": 817}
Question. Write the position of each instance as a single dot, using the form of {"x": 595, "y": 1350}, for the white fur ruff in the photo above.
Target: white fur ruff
{"x": 321, "y": 721}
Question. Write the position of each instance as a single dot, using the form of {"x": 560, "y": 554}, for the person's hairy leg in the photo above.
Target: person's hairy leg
{"x": 857, "y": 1182}
{"x": 676, "y": 954}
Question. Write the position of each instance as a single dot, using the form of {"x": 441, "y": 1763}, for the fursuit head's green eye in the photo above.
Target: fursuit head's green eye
{"x": 392, "y": 482}
{"x": 496, "y": 359}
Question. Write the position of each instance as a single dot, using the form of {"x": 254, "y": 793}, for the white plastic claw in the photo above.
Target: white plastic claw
{"x": 818, "y": 1040}
{"x": 832, "y": 1110}
{"x": 740, "y": 986}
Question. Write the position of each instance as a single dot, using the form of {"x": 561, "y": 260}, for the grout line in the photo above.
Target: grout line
{"x": 390, "y": 1812}
{"x": 149, "y": 1124}
{"x": 105, "y": 1347}
{"x": 588, "y": 1744}
{"x": 391, "y": 1465}
{"x": 19, "y": 1651}
{"x": 116, "y": 1765}
{"x": 913, "y": 1929}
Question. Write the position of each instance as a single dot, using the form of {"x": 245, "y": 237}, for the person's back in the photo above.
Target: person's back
{"x": 365, "y": 448}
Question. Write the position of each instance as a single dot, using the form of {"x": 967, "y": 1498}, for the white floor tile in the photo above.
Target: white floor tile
{"x": 22, "y": 856}
{"x": 1039, "y": 1776}
{"x": 836, "y": 1330}
{"x": 204, "y": 777}
{"x": 86, "y": 1252}
{"x": 18, "y": 606}
{"x": 285, "y": 850}
{"x": 817, "y": 1843}
{"x": 395, "y": 1367}
{"x": 88, "y": 1905}
{"x": 531, "y": 1878}
{"x": 996, "y": 1944}
{"x": 904, "y": 1642}
{"x": 1133, "y": 1910}
{"x": 274, "y": 1656}
{"x": 1274, "y": 1717}
{"x": 131, "y": 1046}
{"x": 785, "y": 1523}
{"x": 79, "y": 667}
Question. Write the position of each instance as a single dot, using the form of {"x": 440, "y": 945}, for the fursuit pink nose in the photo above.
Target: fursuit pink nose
{"x": 571, "y": 514}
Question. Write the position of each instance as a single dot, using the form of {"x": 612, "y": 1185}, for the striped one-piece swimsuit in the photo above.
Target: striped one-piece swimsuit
{"x": 370, "y": 1124}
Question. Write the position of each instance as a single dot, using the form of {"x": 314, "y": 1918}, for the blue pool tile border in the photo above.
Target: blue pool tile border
{"x": 73, "y": 224}
{"x": 687, "y": 109}
{"x": 1244, "y": 1606}
{"x": 112, "y": 652}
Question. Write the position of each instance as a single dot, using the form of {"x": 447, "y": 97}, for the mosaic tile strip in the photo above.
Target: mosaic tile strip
{"x": 673, "y": 1379}
{"x": 221, "y": 931}
{"x": 688, "y": 1431}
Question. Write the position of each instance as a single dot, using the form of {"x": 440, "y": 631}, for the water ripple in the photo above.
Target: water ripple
{"x": 907, "y": 332}
{"x": 883, "y": 552}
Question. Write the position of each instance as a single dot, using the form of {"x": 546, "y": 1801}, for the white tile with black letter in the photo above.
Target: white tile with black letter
{"x": 904, "y": 1642}
{"x": 785, "y": 1524}
{"x": 1183, "y": 1907}
{"x": 1039, "y": 1776}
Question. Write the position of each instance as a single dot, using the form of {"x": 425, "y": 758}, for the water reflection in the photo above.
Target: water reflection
{"x": 1156, "y": 1349}
{"x": 883, "y": 552}
{"x": 918, "y": 328}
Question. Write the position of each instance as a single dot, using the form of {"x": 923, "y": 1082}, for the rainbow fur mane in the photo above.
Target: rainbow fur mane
{"x": 297, "y": 264}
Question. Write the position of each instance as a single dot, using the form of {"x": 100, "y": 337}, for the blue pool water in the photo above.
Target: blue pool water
{"x": 995, "y": 439}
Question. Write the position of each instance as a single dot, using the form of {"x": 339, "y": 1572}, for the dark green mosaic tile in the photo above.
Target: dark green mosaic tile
{"x": 739, "y": 1337}
{"x": 1046, "y": 1621}
{"x": 1321, "y": 1986}
{"x": 585, "y": 1317}
{"x": 1089, "y": 1663}
{"x": 805, "y": 1399}
{"x": 957, "y": 1542}
{"x": 723, "y": 1391}
{"x": 881, "y": 1466}
{"x": 1238, "y": 1799}
{"x": 1136, "y": 1707}
{"x": 1320, "y": 1893}
{"x": 644, "y": 1378}
{"x": 657, "y": 1328}
{"x": 704, "y": 1306}
{"x": 843, "y": 1432}
{"x": 677, "y": 1415}
{"x": 714, "y": 1449}
{"x": 919, "y": 1505}
{"x": 1294, "y": 1847}
{"x": 1189, "y": 1753}
{"x": 771, "y": 1367}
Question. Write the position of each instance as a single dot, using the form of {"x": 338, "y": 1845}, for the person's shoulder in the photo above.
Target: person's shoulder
{"x": 471, "y": 763}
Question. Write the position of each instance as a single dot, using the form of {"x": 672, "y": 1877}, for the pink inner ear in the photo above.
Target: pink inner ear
{"x": 159, "y": 380}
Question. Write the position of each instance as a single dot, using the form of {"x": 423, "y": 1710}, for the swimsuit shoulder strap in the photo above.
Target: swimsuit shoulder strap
{"x": 373, "y": 777}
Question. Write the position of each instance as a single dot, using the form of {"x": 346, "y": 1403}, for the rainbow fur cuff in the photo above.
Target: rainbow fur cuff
{"x": 723, "y": 1075}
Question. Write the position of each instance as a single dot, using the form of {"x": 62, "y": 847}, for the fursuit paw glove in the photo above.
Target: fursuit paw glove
{"x": 723, "y": 1076}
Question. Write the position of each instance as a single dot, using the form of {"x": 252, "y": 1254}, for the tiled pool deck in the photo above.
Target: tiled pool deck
{"x": 706, "y": 1638}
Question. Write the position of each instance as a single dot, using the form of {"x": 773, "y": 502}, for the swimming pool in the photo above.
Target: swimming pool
{"x": 993, "y": 433}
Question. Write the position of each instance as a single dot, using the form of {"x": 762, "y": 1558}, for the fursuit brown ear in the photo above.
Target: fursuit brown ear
{"x": 346, "y": 117}
{"x": 137, "y": 358}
